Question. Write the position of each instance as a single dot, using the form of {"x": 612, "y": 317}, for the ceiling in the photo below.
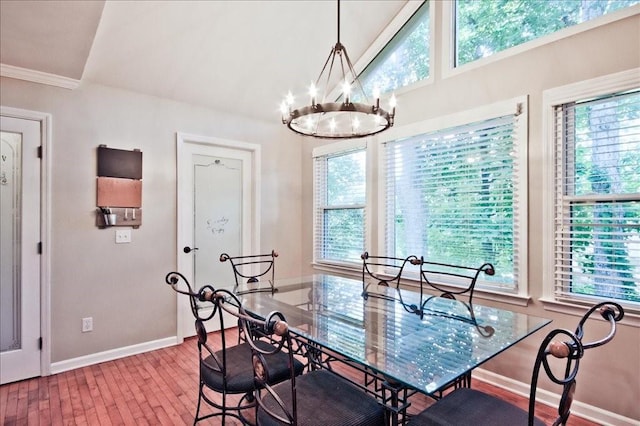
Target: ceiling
{"x": 239, "y": 57}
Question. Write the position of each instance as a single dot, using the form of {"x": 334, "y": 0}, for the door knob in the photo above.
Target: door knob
{"x": 188, "y": 249}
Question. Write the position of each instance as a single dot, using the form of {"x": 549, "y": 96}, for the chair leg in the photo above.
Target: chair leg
{"x": 224, "y": 410}
{"x": 196, "y": 418}
{"x": 219, "y": 409}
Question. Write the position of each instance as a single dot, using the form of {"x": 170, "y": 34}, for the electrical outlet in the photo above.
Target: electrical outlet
{"x": 87, "y": 324}
{"x": 123, "y": 236}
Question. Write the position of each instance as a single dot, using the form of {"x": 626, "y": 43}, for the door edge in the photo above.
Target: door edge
{"x": 45, "y": 120}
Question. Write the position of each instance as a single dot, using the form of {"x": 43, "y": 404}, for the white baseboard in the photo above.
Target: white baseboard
{"x": 551, "y": 399}
{"x": 110, "y": 355}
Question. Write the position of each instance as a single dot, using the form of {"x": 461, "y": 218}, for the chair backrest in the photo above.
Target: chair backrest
{"x": 201, "y": 301}
{"x": 277, "y": 328}
{"x": 251, "y": 268}
{"x": 273, "y": 329}
{"x": 460, "y": 279}
{"x": 180, "y": 284}
{"x": 569, "y": 351}
{"x": 384, "y": 271}
{"x": 220, "y": 302}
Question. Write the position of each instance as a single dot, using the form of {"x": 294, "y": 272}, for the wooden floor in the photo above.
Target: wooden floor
{"x": 154, "y": 388}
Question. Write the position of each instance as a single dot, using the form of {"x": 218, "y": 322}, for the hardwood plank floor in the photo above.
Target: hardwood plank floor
{"x": 154, "y": 388}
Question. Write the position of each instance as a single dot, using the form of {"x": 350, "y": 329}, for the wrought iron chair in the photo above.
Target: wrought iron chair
{"x": 318, "y": 397}
{"x": 227, "y": 370}
{"x": 386, "y": 271}
{"x": 470, "y": 406}
{"x": 464, "y": 278}
{"x": 461, "y": 280}
{"x": 251, "y": 268}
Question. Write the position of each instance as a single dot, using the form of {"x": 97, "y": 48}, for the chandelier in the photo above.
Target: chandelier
{"x": 351, "y": 115}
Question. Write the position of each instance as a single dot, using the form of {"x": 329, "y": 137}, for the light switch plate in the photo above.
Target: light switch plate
{"x": 123, "y": 236}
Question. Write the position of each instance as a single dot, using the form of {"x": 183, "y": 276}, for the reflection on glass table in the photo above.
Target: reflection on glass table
{"x": 401, "y": 349}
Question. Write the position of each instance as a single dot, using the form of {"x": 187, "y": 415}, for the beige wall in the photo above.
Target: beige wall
{"x": 610, "y": 375}
{"x": 122, "y": 286}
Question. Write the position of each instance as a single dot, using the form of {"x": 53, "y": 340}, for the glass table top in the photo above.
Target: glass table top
{"x": 424, "y": 350}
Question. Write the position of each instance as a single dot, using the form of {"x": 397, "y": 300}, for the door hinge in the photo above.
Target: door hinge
{"x": 40, "y": 151}
{"x": 40, "y": 343}
{"x": 40, "y": 247}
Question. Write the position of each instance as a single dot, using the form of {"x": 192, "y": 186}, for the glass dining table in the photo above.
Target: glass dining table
{"x": 400, "y": 349}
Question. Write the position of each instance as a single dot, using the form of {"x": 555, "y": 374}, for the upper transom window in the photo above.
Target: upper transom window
{"x": 404, "y": 60}
{"x": 485, "y": 27}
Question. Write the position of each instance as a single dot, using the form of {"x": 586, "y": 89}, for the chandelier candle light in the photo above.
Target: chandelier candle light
{"x": 350, "y": 116}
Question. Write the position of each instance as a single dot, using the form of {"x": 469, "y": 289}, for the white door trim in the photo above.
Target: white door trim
{"x": 184, "y": 235}
{"x": 45, "y": 121}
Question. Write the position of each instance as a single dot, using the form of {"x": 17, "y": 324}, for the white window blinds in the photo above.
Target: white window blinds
{"x": 339, "y": 205}
{"x": 452, "y": 196}
{"x": 597, "y": 206}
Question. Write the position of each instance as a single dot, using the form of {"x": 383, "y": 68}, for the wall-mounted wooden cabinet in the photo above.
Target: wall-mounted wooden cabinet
{"x": 119, "y": 187}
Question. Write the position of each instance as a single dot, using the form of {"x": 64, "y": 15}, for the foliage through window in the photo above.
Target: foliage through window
{"x": 597, "y": 223}
{"x": 452, "y": 196}
{"x": 340, "y": 200}
{"x": 484, "y": 27}
{"x": 404, "y": 60}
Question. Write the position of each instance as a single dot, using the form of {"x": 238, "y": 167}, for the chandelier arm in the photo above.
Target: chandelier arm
{"x": 346, "y": 100}
{"x": 344, "y": 74}
{"x": 328, "y": 80}
{"x": 356, "y": 80}
{"x": 331, "y": 58}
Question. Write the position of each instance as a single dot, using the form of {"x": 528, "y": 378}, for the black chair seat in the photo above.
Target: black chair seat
{"x": 240, "y": 369}
{"x": 324, "y": 399}
{"x": 466, "y": 406}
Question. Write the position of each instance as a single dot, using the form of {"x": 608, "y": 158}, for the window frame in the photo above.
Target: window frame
{"x": 519, "y": 295}
{"x": 448, "y": 35}
{"x": 551, "y": 98}
{"x": 331, "y": 150}
{"x": 389, "y": 33}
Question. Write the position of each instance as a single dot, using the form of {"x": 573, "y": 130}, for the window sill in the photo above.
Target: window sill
{"x": 346, "y": 269}
{"x": 631, "y": 316}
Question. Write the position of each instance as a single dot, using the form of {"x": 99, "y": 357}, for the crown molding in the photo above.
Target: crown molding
{"x": 38, "y": 77}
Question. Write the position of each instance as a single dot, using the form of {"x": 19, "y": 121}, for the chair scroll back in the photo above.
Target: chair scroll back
{"x": 197, "y": 301}
{"x": 181, "y": 285}
{"x": 386, "y": 271}
{"x": 466, "y": 277}
{"x": 571, "y": 349}
{"x": 258, "y": 265}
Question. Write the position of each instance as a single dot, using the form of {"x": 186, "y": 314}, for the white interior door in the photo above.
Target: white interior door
{"x": 19, "y": 257}
{"x": 217, "y": 195}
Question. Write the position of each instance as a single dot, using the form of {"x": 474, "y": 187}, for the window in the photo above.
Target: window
{"x": 485, "y": 27}
{"x": 404, "y": 60}
{"x": 457, "y": 195}
{"x": 339, "y": 204}
{"x": 597, "y": 197}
